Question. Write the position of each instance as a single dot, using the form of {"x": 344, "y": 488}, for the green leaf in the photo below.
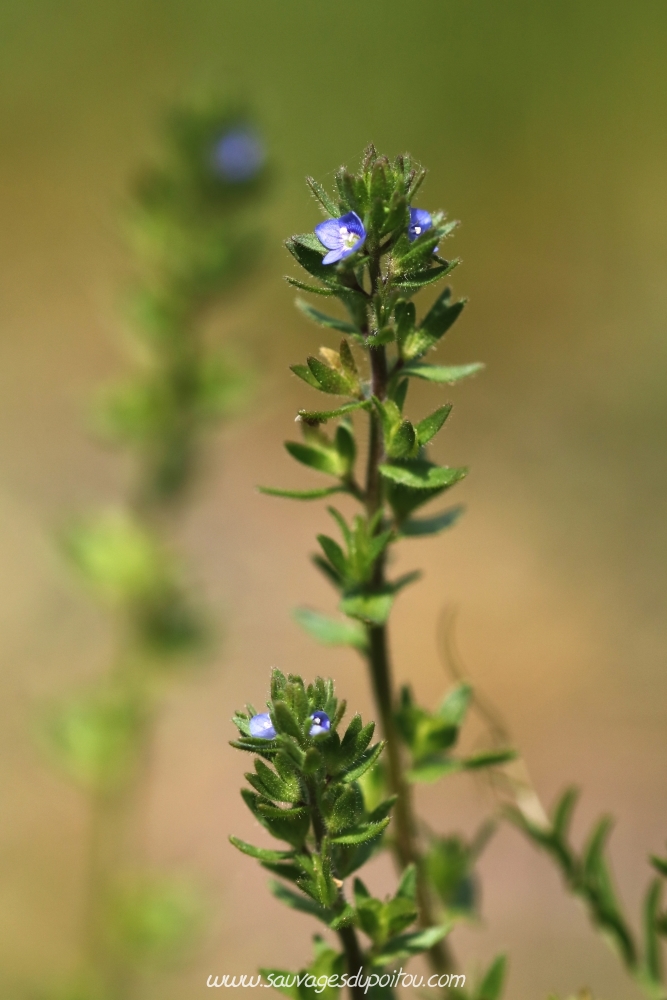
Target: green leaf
{"x": 301, "y": 494}
{"x": 327, "y": 203}
{"x": 407, "y": 887}
{"x": 455, "y": 705}
{"x": 323, "y": 320}
{"x": 371, "y": 608}
{"x": 413, "y": 282}
{"x": 410, "y": 944}
{"x": 442, "y": 314}
{"x": 321, "y": 416}
{"x": 491, "y": 987}
{"x": 367, "y": 760}
{"x": 320, "y": 458}
{"x": 310, "y": 260}
{"x": 402, "y": 443}
{"x": 445, "y": 374}
{"x": 653, "y": 956}
{"x": 347, "y": 360}
{"x": 563, "y": 813}
{"x": 331, "y": 631}
{"x": 421, "y": 475}
{"x": 434, "y": 768}
{"x": 304, "y": 372}
{"x": 296, "y": 901}
{"x": 329, "y": 379}
{"x": 314, "y": 289}
{"x": 660, "y": 865}
{"x": 364, "y": 833}
{"x": 261, "y": 853}
{"x": 488, "y": 758}
{"x": 334, "y": 554}
{"x": 285, "y": 720}
{"x": 429, "y": 426}
{"x": 420, "y": 252}
{"x": 417, "y": 527}
{"x": 345, "y": 444}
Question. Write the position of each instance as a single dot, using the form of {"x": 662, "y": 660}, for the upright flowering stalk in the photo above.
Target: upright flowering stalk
{"x": 374, "y": 253}
{"x": 192, "y": 241}
{"x": 311, "y": 798}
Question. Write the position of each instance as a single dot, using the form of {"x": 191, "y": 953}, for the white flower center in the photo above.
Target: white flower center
{"x": 418, "y": 230}
{"x": 349, "y": 239}
{"x": 266, "y": 724}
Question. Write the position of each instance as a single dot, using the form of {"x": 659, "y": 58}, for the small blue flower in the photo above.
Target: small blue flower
{"x": 420, "y": 221}
{"x": 321, "y": 723}
{"x": 341, "y": 237}
{"x": 261, "y": 726}
{"x": 239, "y": 155}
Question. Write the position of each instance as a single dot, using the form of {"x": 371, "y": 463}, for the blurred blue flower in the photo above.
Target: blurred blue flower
{"x": 420, "y": 221}
{"x": 239, "y": 155}
{"x": 341, "y": 237}
{"x": 321, "y": 723}
{"x": 261, "y": 726}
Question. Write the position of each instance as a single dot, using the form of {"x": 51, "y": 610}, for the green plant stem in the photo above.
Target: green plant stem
{"x": 406, "y": 850}
{"x": 353, "y": 957}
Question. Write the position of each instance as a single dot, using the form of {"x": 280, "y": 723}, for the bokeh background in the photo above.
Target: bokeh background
{"x": 543, "y": 125}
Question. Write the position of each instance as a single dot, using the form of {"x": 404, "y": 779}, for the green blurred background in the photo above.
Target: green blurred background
{"x": 543, "y": 125}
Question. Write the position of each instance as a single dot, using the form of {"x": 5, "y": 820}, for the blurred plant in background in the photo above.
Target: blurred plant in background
{"x": 192, "y": 238}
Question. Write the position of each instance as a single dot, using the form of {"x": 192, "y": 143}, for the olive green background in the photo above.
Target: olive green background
{"x": 543, "y": 125}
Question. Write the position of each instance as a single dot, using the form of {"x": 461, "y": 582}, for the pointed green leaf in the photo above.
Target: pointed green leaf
{"x": 360, "y": 836}
{"x": 327, "y": 203}
{"x": 417, "y": 527}
{"x": 329, "y": 379}
{"x": 413, "y": 282}
{"x": 421, "y": 475}
{"x": 660, "y": 865}
{"x": 371, "y": 608}
{"x": 455, "y": 705}
{"x": 563, "y": 813}
{"x": 410, "y": 944}
{"x": 304, "y": 372}
{"x": 331, "y": 631}
{"x": 320, "y": 458}
{"x": 444, "y": 374}
{"x": 314, "y": 289}
{"x": 321, "y": 416}
{"x": 323, "y": 320}
{"x": 402, "y": 443}
{"x": 653, "y": 955}
{"x": 365, "y": 762}
{"x": 334, "y": 554}
{"x": 261, "y": 853}
{"x": 310, "y": 259}
{"x": 301, "y": 494}
{"x": 442, "y": 315}
{"x": 429, "y": 426}
{"x": 298, "y": 902}
{"x": 491, "y": 987}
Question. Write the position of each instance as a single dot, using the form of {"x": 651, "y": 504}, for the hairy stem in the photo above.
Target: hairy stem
{"x": 406, "y": 849}
{"x": 354, "y": 958}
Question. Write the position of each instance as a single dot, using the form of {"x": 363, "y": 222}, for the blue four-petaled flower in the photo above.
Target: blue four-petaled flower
{"x": 321, "y": 724}
{"x": 261, "y": 726}
{"x": 420, "y": 222}
{"x": 341, "y": 236}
